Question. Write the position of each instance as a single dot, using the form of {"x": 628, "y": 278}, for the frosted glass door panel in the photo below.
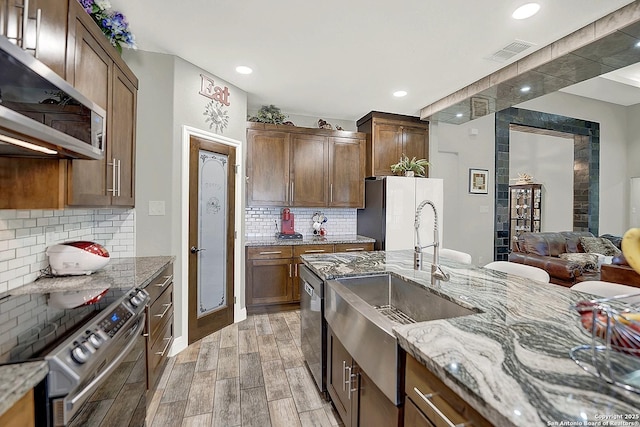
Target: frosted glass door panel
{"x": 212, "y": 234}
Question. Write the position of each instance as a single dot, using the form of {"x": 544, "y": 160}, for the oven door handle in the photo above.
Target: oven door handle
{"x": 90, "y": 388}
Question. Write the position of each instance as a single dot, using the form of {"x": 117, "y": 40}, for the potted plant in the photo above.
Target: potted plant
{"x": 410, "y": 167}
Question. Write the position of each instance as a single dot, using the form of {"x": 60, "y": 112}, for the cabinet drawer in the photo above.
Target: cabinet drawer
{"x": 436, "y": 400}
{"x": 157, "y": 353}
{"x": 160, "y": 283}
{"x": 160, "y": 311}
{"x": 354, "y": 247}
{"x": 312, "y": 249}
{"x": 269, "y": 252}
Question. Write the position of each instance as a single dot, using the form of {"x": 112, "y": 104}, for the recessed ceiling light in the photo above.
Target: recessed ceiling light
{"x": 459, "y": 115}
{"x": 525, "y": 89}
{"x": 243, "y": 69}
{"x": 526, "y": 11}
{"x": 400, "y": 93}
{"x": 638, "y": 44}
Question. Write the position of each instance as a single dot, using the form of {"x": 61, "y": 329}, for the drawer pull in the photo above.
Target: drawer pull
{"x": 167, "y": 280}
{"x": 354, "y": 249}
{"x": 314, "y": 251}
{"x": 161, "y": 353}
{"x": 270, "y": 252}
{"x": 166, "y": 308}
{"x": 427, "y": 400}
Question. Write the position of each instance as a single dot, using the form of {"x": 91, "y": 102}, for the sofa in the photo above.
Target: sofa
{"x": 543, "y": 250}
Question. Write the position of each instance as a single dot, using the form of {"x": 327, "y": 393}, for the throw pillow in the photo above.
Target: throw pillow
{"x": 585, "y": 262}
{"x": 599, "y": 245}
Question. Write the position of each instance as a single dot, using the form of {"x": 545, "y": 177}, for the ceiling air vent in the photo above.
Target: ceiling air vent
{"x": 509, "y": 51}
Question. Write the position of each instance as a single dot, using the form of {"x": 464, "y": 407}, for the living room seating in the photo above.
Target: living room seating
{"x": 564, "y": 256}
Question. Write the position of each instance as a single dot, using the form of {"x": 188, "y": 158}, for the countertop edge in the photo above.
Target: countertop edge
{"x": 331, "y": 240}
{"x": 22, "y": 378}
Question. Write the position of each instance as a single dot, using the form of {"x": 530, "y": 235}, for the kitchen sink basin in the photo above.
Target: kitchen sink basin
{"x": 401, "y": 301}
{"x": 361, "y": 312}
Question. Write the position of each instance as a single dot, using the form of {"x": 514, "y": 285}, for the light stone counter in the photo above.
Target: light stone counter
{"x": 16, "y": 380}
{"x": 328, "y": 240}
{"x": 511, "y": 362}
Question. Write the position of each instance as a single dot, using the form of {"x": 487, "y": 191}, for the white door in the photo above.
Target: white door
{"x": 634, "y": 203}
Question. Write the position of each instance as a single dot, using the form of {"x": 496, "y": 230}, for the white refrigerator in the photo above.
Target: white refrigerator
{"x": 390, "y": 207}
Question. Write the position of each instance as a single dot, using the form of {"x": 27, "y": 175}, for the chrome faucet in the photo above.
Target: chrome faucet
{"x": 436, "y": 271}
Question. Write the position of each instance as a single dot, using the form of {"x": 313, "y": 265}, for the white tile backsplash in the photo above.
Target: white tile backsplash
{"x": 25, "y": 235}
{"x": 261, "y": 222}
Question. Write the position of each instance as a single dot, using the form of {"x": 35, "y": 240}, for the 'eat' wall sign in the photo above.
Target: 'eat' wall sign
{"x": 214, "y": 111}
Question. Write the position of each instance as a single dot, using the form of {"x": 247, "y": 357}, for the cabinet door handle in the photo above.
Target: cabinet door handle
{"x": 290, "y": 270}
{"x": 166, "y": 308}
{"x": 330, "y": 193}
{"x": 295, "y": 269}
{"x": 427, "y": 400}
{"x": 38, "y": 25}
{"x": 119, "y": 177}
{"x": 167, "y": 280}
{"x": 292, "y": 192}
{"x": 161, "y": 353}
{"x": 314, "y": 251}
{"x": 25, "y": 23}
{"x": 349, "y": 381}
{"x": 344, "y": 369}
{"x": 353, "y": 249}
{"x": 270, "y": 252}
{"x": 113, "y": 177}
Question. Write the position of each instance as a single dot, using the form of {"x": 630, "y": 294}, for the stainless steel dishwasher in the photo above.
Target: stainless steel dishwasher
{"x": 313, "y": 327}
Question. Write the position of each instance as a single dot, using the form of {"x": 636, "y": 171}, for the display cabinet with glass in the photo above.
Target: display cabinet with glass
{"x": 525, "y": 207}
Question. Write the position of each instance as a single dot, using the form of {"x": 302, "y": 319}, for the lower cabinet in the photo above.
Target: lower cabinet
{"x": 21, "y": 414}
{"x": 429, "y": 402}
{"x": 272, "y": 280}
{"x": 159, "y": 328}
{"x": 358, "y": 401}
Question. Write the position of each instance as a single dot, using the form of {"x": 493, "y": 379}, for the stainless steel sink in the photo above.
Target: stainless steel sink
{"x": 362, "y": 311}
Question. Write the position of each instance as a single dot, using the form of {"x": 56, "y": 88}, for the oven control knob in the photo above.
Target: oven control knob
{"x": 80, "y": 354}
{"x": 135, "y": 300}
{"x": 95, "y": 340}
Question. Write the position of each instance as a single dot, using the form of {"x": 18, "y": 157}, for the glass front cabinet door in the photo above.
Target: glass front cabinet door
{"x": 525, "y": 207}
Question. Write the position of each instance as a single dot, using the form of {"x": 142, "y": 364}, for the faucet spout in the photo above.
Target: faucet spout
{"x": 436, "y": 270}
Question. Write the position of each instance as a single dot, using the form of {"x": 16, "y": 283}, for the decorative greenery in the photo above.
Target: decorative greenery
{"x": 269, "y": 114}
{"x": 113, "y": 24}
{"x": 418, "y": 166}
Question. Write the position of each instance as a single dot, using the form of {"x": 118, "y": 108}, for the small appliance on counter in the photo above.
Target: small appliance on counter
{"x": 76, "y": 258}
{"x": 287, "y": 228}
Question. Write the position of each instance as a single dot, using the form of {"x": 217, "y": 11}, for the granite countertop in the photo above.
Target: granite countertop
{"x": 308, "y": 240}
{"x": 17, "y": 379}
{"x": 511, "y": 362}
{"x": 123, "y": 273}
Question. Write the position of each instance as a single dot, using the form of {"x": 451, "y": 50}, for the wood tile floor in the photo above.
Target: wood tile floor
{"x": 248, "y": 374}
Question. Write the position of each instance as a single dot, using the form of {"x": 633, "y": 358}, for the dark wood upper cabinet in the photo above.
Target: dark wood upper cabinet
{"x": 389, "y": 136}
{"x": 96, "y": 70}
{"x": 346, "y": 166}
{"x": 293, "y": 166}
{"x": 45, "y": 33}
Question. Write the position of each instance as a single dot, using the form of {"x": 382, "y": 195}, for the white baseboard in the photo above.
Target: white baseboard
{"x": 179, "y": 344}
{"x": 240, "y": 315}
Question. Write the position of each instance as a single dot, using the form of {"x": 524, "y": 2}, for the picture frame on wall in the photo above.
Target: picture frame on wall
{"x": 478, "y": 181}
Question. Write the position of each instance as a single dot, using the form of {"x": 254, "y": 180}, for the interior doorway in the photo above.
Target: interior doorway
{"x": 212, "y": 172}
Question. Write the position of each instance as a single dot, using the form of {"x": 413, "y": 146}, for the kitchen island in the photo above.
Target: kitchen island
{"x": 511, "y": 361}
{"x": 123, "y": 273}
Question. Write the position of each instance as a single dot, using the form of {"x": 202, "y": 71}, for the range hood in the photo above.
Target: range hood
{"x": 41, "y": 115}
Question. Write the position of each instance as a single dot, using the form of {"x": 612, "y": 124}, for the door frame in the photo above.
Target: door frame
{"x": 239, "y": 312}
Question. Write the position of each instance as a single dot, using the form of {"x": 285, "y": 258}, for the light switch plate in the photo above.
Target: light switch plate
{"x": 156, "y": 207}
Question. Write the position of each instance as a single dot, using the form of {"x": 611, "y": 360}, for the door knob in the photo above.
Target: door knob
{"x": 195, "y": 250}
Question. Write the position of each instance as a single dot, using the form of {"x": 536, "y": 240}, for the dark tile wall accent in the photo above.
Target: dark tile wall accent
{"x": 586, "y": 184}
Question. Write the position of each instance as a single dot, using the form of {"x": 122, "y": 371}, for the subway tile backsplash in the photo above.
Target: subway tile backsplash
{"x": 25, "y": 235}
{"x": 261, "y": 222}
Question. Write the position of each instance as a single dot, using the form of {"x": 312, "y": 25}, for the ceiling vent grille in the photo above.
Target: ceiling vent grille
{"x": 509, "y": 51}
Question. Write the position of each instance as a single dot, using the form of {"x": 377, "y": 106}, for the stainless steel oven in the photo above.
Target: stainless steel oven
{"x": 95, "y": 352}
{"x": 313, "y": 327}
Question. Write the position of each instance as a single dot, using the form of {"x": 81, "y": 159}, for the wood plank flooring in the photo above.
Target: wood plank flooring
{"x": 248, "y": 374}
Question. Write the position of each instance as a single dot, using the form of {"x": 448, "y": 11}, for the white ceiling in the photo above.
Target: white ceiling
{"x": 342, "y": 59}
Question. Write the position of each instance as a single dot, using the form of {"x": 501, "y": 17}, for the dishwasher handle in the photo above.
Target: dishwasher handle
{"x": 308, "y": 289}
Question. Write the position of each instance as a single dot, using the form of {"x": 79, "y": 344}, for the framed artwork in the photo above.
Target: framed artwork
{"x": 478, "y": 181}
